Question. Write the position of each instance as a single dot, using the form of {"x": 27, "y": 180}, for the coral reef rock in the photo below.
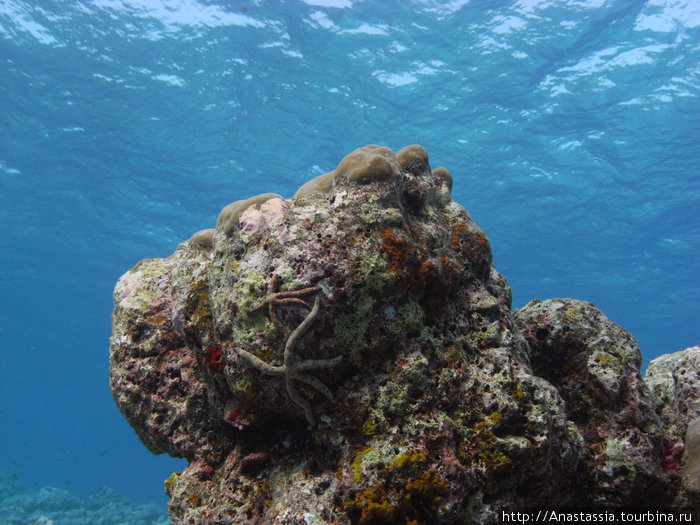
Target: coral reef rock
{"x": 349, "y": 356}
{"x": 595, "y": 366}
{"x": 20, "y": 505}
{"x": 674, "y": 381}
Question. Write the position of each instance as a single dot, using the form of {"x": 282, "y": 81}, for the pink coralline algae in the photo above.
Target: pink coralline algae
{"x": 349, "y": 356}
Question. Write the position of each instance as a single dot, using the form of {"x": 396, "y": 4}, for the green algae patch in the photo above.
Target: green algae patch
{"x": 350, "y": 330}
{"x": 411, "y": 316}
{"x": 288, "y": 277}
{"x": 373, "y": 269}
{"x": 250, "y": 290}
{"x": 369, "y": 211}
{"x": 617, "y": 462}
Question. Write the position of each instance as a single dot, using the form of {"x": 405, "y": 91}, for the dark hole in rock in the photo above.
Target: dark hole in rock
{"x": 322, "y": 486}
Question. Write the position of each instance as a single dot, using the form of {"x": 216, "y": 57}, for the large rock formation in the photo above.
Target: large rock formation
{"x": 350, "y": 356}
{"x": 674, "y": 381}
{"x": 594, "y": 365}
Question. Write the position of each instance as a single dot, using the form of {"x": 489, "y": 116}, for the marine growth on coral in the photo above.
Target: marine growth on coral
{"x": 349, "y": 356}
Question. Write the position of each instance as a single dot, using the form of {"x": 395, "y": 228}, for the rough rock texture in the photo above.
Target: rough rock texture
{"x": 691, "y": 468}
{"x": 349, "y": 356}
{"x": 674, "y": 381}
{"x": 594, "y": 365}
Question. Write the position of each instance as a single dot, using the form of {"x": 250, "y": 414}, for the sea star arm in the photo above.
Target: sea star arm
{"x": 292, "y": 369}
{"x": 288, "y": 298}
{"x": 261, "y": 365}
{"x": 289, "y": 347}
{"x": 300, "y": 400}
{"x": 296, "y": 293}
{"x": 276, "y": 300}
{"x": 316, "y": 383}
{"x": 313, "y": 364}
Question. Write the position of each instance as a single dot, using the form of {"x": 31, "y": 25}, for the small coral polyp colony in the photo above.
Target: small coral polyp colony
{"x": 364, "y": 165}
{"x": 348, "y": 355}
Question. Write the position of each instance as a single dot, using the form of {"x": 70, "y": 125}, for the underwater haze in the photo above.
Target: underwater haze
{"x": 572, "y": 131}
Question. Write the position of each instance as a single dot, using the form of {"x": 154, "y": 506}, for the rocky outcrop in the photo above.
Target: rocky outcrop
{"x": 674, "y": 382}
{"x": 350, "y": 356}
{"x": 595, "y": 366}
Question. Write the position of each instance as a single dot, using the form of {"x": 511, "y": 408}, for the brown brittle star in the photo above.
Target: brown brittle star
{"x": 293, "y": 369}
{"x": 275, "y": 298}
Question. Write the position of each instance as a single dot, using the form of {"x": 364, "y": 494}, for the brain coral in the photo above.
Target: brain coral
{"x": 349, "y": 356}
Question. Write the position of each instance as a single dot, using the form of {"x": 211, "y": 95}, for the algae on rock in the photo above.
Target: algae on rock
{"x": 349, "y": 356}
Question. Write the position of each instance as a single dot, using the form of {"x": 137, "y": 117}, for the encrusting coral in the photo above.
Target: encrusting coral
{"x": 437, "y": 403}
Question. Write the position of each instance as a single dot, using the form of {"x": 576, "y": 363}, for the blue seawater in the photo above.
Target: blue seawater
{"x": 572, "y": 129}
